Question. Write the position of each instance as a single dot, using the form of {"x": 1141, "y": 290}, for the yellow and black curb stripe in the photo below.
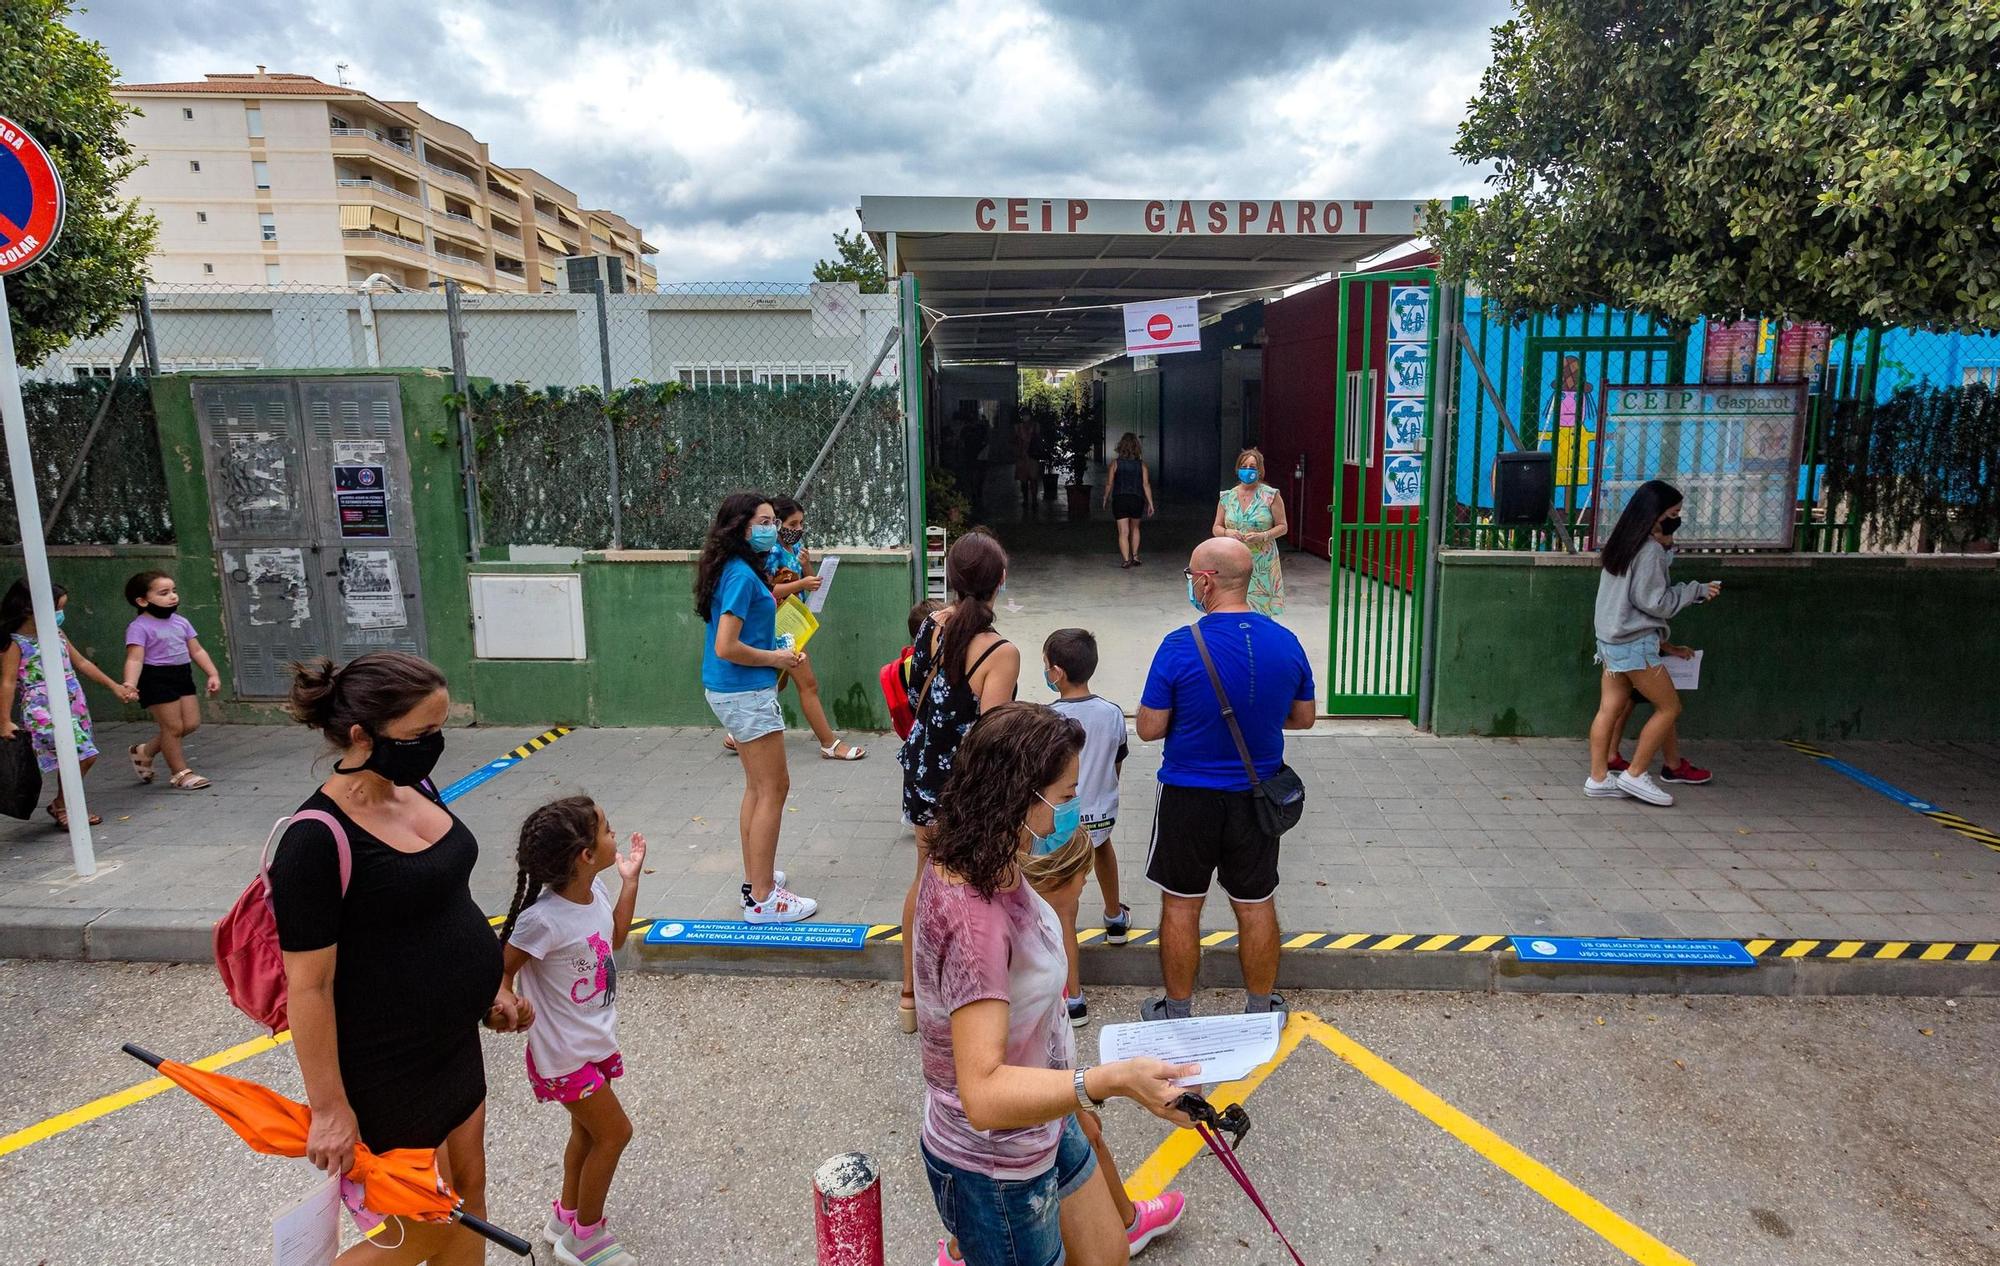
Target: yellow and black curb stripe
{"x": 1460, "y": 943}
{"x": 540, "y": 741}
{"x": 1982, "y": 835}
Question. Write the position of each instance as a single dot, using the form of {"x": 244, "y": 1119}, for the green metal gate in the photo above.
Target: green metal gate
{"x": 1385, "y": 399}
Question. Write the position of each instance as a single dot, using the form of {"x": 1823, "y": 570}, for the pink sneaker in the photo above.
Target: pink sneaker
{"x": 945, "y": 1258}
{"x": 592, "y": 1246}
{"x": 1154, "y": 1218}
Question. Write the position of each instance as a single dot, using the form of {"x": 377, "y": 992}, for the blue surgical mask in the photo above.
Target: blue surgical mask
{"x": 1047, "y": 680}
{"x": 1248, "y": 474}
{"x": 1068, "y": 816}
{"x": 59, "y": 618}
{"x": 764, "y": 537}
{"x": 1194, "y": 601}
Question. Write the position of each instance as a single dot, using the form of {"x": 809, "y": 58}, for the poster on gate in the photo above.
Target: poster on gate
{"x": 1163, "y": 326}
{"x": 1403, "y": 426}
{"x": 1409, "y": 369}
{"x": 1402, "y": 479}
{"x": 1409, "y": 314}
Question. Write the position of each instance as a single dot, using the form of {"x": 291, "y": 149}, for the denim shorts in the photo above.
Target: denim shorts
{"x": 1634, "y": 656}
{"x": 748, "y": 715}
{"x": 1011, "y": 1222}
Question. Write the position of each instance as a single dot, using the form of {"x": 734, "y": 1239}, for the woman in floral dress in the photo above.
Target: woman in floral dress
{"x": 1253, "y": 512}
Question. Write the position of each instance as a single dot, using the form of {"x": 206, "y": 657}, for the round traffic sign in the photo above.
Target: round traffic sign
{"x": 1160, "y": 326}
{"x": 31, "y": 199}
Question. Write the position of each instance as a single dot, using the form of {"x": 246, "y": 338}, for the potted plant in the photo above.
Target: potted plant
{"x": 1076, "y": 435}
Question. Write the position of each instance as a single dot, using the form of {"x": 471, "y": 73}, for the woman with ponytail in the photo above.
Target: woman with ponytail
{"x": 390, "y": 968}
{"x": 960, "y": 668}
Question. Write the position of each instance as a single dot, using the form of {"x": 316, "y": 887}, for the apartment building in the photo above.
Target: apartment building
{"x": 274, "y": 179}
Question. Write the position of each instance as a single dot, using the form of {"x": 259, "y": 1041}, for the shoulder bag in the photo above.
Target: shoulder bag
{"x": 1279, "y": 800}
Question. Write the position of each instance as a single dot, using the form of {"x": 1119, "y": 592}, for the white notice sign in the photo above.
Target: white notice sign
{"x": 1226, "y": 1046}
{"x": 1163, "y": 326}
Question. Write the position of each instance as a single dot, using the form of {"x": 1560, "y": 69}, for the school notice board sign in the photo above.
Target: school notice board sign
{"x": 736, "y": 935}
{"x": 1635, "y": 950}
{"x": 1731, "y": 448}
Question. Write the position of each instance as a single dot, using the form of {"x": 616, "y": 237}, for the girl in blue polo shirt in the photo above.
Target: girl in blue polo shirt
{"x": 740, "y": 662}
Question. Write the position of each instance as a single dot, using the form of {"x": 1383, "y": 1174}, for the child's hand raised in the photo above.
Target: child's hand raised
{"x": 632, "y": 859}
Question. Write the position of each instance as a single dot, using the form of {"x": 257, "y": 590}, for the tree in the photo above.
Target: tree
{"x": 857, "y": 262}
{"x": 1824, "y": 160}
{"x": 59, "y": 89}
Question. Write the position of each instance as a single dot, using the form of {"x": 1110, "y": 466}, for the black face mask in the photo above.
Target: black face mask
{"x": 790, "y": 537}
{"x": 159, "y": 612}
{"x": 405, "y": 762}
{"x": 1670, "y": 526}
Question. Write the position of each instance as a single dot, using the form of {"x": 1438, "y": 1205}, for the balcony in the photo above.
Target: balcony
{"x": 456, "y": 218}
{"x": 451, "y": 173}
{"x": 376, "y": 186}
{"x": 505, "y": 236}
{"x": 358, "y": 236}
{"x": 374, "y": 138}
{"x": 458, "y": 258}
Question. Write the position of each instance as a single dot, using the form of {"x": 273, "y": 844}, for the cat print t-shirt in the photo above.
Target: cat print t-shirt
{"x": 571, "y": 982}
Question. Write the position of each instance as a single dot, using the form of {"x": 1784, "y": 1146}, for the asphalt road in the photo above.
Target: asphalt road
{"x": 1711, "y": 1130}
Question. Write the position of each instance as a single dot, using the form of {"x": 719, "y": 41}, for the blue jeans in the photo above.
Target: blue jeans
{"x": 1011, "y": 1222}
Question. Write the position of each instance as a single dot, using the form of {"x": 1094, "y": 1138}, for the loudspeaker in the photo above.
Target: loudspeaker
{"x": 1524, "y": 487}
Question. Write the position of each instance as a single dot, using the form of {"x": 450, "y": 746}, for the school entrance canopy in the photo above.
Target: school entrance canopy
{"x": 996, "y": 265}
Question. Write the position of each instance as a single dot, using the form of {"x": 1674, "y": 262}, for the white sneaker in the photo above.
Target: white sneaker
{"x": 783, "y": 906}
{"x": 1642, "y": 787}
{"x": 557, "y": 1226}
{"x": 1608, "y": 787}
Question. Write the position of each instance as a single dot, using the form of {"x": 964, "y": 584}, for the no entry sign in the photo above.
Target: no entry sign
{"x": 1171, "y": 325}
{"x": 31, "y": 199}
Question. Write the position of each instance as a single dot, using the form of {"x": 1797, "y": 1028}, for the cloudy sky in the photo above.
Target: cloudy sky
{"x": 742, "y": 135}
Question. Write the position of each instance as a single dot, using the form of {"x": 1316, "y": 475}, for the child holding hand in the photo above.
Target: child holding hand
{"x": 558, "y": 942}
{"x": 161, "y": 652}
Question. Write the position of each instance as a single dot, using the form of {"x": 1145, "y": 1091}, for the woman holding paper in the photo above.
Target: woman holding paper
{"x": 1009, "y": 1168}
{"x": 740, "y": 663}
{"x": 792, "y": 571}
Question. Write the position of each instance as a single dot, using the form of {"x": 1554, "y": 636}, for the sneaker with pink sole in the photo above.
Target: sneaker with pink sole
{"x": 592, "y": 1246}
{"x": 1154, "y": 1218}
{"x": 561, "y": 1222}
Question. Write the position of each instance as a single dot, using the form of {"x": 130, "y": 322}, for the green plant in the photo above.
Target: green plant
{"x": 1925, "y": 461}
{"x": 944, "y": 505}
{"x": 854, "y": 260}
{"x": 1689, "y": 158}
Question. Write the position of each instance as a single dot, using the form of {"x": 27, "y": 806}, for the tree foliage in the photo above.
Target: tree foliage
{"x": 854, "y": 260}
{"x": 1827, "y": 160}
{"x": 58, "y": 87}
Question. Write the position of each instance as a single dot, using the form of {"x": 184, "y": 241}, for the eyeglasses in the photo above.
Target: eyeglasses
{"x": 1191, "y": 572}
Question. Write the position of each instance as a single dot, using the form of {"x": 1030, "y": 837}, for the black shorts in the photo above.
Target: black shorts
{"x": 164, "y": 683}
{"x": 1199, "y": 833}
{"x": 1125, "y": 505}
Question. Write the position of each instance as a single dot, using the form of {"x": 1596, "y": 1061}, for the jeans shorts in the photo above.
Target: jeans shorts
{"x": 1634, "y": 656}
{"x": 1011, "y": 1222}
{"x": 748, "y": 715}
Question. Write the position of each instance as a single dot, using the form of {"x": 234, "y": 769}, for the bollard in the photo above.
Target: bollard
{"x": 847, "y": 1211}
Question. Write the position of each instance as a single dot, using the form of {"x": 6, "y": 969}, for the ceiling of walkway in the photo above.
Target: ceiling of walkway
{"x": 999, "y": 269}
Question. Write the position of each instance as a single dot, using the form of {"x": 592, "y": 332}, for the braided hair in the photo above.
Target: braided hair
{"x": 551, "y": 838}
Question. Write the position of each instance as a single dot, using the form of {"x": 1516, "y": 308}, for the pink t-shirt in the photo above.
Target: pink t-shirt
{"x": 967, "y": 949}
{"x": 166, "y": 641}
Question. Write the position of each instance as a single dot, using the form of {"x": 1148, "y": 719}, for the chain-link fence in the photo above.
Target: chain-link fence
{"x": 96, "y": 449}
{"x": 604, "y": 419}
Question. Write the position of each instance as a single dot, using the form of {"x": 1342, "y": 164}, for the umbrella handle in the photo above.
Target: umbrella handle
{"x": 143, "y": 1055}
{"x": 499, "y": 1235}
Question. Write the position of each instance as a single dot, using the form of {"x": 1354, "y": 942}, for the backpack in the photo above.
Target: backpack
{"x": 246, "y": 939}
{"x": 894, "y": 679}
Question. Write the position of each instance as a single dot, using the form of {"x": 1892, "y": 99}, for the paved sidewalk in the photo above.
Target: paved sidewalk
{"x": 1404, "y": 833}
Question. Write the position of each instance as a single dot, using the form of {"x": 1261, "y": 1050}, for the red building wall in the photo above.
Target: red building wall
{"x": 1299, "y": 387}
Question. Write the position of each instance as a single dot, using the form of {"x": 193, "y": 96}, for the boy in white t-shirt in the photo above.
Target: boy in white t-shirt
{"x": 558, "y": 941}
{"x": 1069, "y": 661}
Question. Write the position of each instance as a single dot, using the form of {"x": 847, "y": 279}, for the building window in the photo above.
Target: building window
{"x": 88, "y": 371}
{"x": 201, "y": 217}
{"x": 253, "y": 120}
{"x": 780, "y": 376}
{"x": 269, "y": 225}
{"x": 262, "y": 173}
{"x": 186, "y": 113}
{"x": 208, "y": 268}
{"x": 194, "y": 164}
{"x": 271, "y": 277}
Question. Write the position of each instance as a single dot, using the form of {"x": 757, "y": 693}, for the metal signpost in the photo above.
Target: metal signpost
{"x": 31, "y": 215}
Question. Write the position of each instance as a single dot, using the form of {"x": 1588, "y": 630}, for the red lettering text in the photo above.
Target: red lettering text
{"x": 1276, "y": 224}
{"x": 1218, "y": 217}
{"x": 1017, "y": 215}
{"x": 1156, "y": 216}
{"x": 1361, "y": 210}
{"x": 1246, "y": 215}
{"x": 1048, "y": 217}
{"x": 1330, "y": 218}
{"x": 982, "y": 215}
{"x": 1185, "y": 222}
{"x": 1306, "y": 210}
{"x": 1079, "y": 211}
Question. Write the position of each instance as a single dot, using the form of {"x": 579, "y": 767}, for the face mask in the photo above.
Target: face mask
{"x": 1047, "y": 680}
{"x": 1068, "y": 816}
{"x": 405, "y": 762}
{"x": 764, "y": 537}
{"x": 1194, "y": 601}
{"x": 60, "y": 615}
{"x": 1248, "y": 474}
{"x": 159, "y": 612}
{"x": 1670, "y": 526}
{"x": 790, "y": 537}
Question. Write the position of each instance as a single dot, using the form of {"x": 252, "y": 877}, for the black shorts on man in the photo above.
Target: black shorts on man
{"x": 1200, "y": 834}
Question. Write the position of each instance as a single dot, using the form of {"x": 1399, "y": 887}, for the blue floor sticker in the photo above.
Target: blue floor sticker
{"x": 484, "y": 774}
{"x": 815, "y": 936}
{"x": 1619, "y": 949}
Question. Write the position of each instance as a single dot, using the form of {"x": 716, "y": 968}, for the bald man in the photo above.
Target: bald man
{"x": 1205, "y": 825}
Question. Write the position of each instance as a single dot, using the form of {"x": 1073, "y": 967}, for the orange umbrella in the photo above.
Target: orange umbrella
{"x": 400, "y": 1183}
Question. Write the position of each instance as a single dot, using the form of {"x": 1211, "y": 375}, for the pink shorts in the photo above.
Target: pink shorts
{"x": 581, "y": 1084}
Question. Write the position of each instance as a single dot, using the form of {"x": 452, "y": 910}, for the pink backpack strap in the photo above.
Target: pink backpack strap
{"x": 340, "y": 844}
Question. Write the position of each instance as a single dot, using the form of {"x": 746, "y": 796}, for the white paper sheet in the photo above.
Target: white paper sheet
{"x": 1684, "y": 673}
{"x": 1226, "y": 1046}
{"x": 816, "y": 599}
{"x": 308, "y": 1233}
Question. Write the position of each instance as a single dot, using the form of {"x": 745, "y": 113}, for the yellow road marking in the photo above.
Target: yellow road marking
{"x": 1303, "y": 939}
{"x": 1087, "y": 935}
{"x": 1437, "y": 942}
{"x": 1391, "y": 942}
{"x": 136, "y": 1094}
{"x": 1480, "y": 943}
{"x": 1157, "y": 1172}
{"x": 1216, "y": 938}
{"x": 1758, "y": 947}
{"x": 1937, "y": 952}
{"x": 1846, "y": 949}
{"x": 1798, "y": 949}
{"x": 1982, "y": 954}
{"x": 1893, "y": 949}
{"x": 1349, "y": 941}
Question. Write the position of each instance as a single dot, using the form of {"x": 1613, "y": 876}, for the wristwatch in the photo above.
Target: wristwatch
{"x": 1083, "y": 1099}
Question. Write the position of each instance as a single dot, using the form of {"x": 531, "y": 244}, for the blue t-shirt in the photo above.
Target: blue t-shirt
{"x": 1199, "y": 751}
{"x": 783, "y": 559}
{"x": 740, "y": 592}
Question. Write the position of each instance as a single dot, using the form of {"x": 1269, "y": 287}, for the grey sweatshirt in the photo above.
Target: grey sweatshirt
{"x": 1643, "y": 599}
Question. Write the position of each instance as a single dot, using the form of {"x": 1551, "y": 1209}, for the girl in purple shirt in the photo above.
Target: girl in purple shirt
{"x": 161, "y": 651}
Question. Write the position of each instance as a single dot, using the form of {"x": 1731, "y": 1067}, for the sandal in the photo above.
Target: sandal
{"x": 141, "y": 765}
{"x": 61, "y": 814}
{"x": 853, "y": 752}
{"x": 729, "y": 745}
{"x": 188, "y": 780}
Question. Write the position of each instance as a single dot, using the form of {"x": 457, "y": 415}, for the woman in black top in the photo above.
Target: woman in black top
{"x": 388, "y": 982}
{"x": 1128, "y": 494}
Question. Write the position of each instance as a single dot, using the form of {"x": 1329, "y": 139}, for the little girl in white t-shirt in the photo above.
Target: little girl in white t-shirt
{"x": 559, "y": 940}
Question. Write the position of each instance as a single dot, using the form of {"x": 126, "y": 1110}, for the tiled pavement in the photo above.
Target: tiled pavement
{"x": 1404, "y": 833}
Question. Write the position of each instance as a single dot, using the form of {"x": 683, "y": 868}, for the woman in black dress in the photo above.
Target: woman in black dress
{"x": 388, "y": 982}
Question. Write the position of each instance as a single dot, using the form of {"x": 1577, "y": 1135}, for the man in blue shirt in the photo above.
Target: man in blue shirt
{"x": 1205, "y": 823}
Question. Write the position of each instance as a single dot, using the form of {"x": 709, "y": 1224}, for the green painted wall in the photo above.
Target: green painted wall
{"x": 1798, "y": 646}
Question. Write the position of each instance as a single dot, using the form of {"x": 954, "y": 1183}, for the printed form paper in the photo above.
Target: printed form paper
{"x": 308, "y": 1233}
{"x": 1684, "y": 673}
{"x": 816, "y": 600}
{"x": 1227, "y": 1047}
